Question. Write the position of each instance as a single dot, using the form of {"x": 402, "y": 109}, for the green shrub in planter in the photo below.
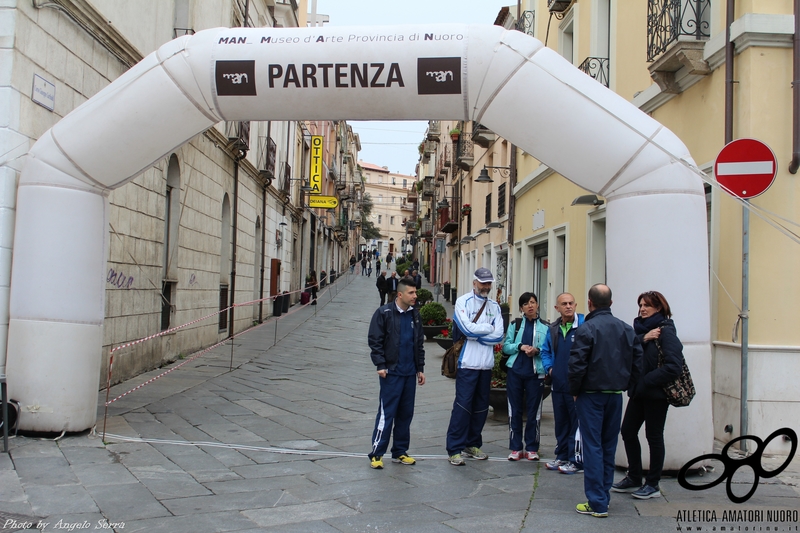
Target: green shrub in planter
{"x": 432, "y": 313}
{"x": 424, "y": 296}
{"x": 402, "y": 267}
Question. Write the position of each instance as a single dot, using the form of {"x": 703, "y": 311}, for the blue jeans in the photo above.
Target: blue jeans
{"x": 600, "y": 415}
{"x": 566, "y": 422}
{"x": 470, "y": 408}
{"x": 396, "y": 409}
{"x": 524, "y": 393}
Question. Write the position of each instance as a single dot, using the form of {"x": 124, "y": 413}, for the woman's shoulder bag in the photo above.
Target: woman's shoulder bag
{"x": 681, "y": 391}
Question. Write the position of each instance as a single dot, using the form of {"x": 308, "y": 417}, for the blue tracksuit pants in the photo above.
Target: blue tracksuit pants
{"x": 600, "y": 416}
{"x": 396, "y": 409}
{"x": 524, "y": 394}
{"x": 566, "y": 422}
{"x": 470, "y": 409}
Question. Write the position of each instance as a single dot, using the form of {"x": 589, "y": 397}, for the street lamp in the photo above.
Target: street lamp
{"x": 588, "y": 199}
{"x": 483, "y": 177}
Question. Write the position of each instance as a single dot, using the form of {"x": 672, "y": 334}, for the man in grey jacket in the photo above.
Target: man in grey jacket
{"x": 605, "y": 360}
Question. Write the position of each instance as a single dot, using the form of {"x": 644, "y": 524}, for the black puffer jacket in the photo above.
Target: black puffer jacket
{"x": 384, "y": 338}
{"x": 654, "y": 377}
{"x": 606, "y": 355}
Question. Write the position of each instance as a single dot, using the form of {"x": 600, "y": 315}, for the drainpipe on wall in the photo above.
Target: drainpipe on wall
{"x": 235, "y": 231}
{"x": 263, "y": 252}
{"x": 793, "y": 166}
{"x": 512, "y": 182}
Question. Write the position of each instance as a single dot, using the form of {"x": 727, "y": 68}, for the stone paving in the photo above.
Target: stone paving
{"x": 280, "y": 443}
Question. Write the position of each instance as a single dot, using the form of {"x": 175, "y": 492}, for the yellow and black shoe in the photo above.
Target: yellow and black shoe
{"x": 404, "y": 460}
{"x": 376, "y": 462}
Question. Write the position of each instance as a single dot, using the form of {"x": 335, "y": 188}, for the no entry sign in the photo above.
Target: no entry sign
{"x": 746, "y": 167}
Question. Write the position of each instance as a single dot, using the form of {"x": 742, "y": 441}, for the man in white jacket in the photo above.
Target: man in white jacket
{"x": 475, "y": 363}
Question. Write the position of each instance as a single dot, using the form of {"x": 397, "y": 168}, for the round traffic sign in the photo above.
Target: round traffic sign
{"x": 746, "y": 167}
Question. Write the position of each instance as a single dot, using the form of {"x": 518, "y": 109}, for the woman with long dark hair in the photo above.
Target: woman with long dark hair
{"x": 525, "y": 379}
{"x": 648, "y": 403}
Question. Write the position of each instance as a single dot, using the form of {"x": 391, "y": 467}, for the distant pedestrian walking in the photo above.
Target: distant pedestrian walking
{"x": 369, "y": 268}
{"x": 364, "y": 266}
{"x": 391, "y": 286}
{"x": 396, "y": 343}
{"x": 352, "y": 263}
{"x": 381, "y": 284}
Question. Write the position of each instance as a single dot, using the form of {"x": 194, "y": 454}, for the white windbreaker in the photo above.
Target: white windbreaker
{"x": 478, "y": 353}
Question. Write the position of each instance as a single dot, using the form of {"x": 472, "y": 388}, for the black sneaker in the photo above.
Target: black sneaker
{"x": 647, "y": 492}
{"x": 626, "y": 484}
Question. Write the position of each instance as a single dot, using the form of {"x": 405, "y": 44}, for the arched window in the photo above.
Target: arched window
{"x": 172, "y": 211}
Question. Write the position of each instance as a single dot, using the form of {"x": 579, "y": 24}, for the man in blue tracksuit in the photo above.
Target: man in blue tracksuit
{"x": 396, "y": 347}
{"x": 555, "y": 356}
{"x": 605, "y": 360}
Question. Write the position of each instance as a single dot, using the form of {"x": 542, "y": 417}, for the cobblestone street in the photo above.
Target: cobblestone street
{"x": 280, "y": 444}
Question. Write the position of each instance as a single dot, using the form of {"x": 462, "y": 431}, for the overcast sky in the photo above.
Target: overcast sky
{"x": 394, "y": 143}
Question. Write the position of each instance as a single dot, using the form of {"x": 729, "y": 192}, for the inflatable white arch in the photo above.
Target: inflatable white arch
{"x": 656, "y": 218}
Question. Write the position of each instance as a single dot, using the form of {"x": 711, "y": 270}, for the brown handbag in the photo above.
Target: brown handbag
{"x": 450, "y": 359}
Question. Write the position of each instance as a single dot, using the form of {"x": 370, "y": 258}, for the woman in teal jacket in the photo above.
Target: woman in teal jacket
{"x": 525, "y": 378}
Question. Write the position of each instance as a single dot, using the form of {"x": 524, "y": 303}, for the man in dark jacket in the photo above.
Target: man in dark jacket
{"x": 555, "y": 358}
{"x": 417, "y": 279}
{"x": 391, "y": 286}
{"x": 396, "y": 347}
{"x": 381, "y": 284}
{"x": 605, "y": 360}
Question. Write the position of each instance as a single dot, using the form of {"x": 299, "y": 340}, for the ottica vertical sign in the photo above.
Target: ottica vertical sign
{"x": 316, "y": 164}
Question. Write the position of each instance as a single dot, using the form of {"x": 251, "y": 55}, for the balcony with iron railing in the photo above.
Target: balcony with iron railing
{"x": 428, "y": 187}
{"x": 267, "y": 150}
{"x": 676, "y": 34}
{"x": 180, "y": 32}
{"x": 434, "y": 130}
{"x": 482, "y": 136}
{"x": 597, "y": 68}
{"x": 238, "y": 134}
{"x": 526, "y": 22}
{"x": 464, "y": 153}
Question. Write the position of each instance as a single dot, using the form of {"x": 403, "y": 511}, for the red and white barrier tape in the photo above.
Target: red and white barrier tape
{"x": 192, "y": 358}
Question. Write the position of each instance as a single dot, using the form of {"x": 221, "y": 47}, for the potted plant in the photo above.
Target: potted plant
{"x": 424, "y": 296}
{"x": 454, "y": 134}
{"x": 497, "y": 394}
{"x": 446, "y": 286}
{"x": 434, "y": 316}
{"x": 445, "y": 336}
{"x": 466, "y": 209}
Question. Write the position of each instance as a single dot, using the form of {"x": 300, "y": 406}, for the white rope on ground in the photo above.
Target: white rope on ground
{"x": 271, "y": 449}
